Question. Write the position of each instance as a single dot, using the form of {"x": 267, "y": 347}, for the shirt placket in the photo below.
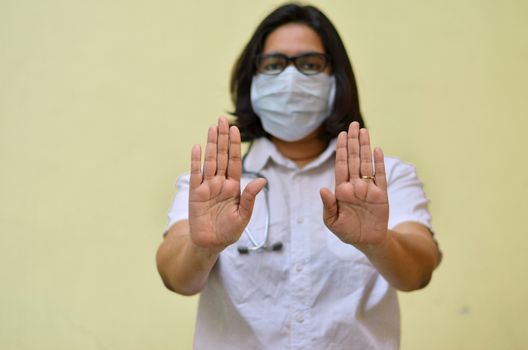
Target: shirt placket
{"x": 299, "y": 277}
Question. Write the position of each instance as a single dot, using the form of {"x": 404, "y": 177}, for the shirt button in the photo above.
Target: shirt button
{"x": 300, "y": 220}
{"x": 298, "y": 267}
{"x": 299, "y": 318}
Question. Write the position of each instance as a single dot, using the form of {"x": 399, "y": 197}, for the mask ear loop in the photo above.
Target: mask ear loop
{"x": 331, "y": 95}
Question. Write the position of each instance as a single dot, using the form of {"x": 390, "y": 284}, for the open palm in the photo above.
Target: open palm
{"x": 218, "y": 212}
{"x": 358, "y": 211}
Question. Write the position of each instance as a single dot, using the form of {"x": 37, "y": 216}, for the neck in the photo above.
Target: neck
{"x": 303, "y": 151}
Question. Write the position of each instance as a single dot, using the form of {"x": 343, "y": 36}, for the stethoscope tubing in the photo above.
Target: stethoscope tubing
{"x": 255, "y": 245}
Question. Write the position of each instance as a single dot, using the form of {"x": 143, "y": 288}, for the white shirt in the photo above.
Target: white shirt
{"x": 317, "y": 292}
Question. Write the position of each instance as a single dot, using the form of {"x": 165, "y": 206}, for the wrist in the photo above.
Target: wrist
{"x": 209, "y": 254}
{"x": 377, "y": 249}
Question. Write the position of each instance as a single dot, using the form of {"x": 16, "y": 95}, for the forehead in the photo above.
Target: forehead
{"x": 293, "y": 39}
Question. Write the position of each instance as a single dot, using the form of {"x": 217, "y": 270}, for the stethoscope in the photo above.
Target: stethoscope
{"x": 255, "y": 245}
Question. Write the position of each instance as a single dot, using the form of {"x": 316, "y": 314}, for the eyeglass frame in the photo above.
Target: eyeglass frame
{"x": 291, "y": 59}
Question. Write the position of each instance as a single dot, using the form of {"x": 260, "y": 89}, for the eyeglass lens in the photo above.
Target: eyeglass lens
{"x": 309, "y": 64}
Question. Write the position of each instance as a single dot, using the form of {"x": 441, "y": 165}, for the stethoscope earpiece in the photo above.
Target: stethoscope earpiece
{"x": 243, "y": 250}
{"x": 275, "y": 247}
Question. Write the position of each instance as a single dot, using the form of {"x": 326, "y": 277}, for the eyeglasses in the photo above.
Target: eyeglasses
{"x": 308, "y": 63}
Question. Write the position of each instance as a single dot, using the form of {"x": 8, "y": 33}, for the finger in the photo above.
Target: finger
{"x": 341, "y": 165}
{"x": 196, "y": 172}
{"x": 329, "y": 205}
{"x": 379, "y": 161}
{"x": 247, "y": 200}
{"x": 222, "y": 146}
{"x": 210, "y": 153}
{"x": 353, "y": 150}
{"x": 234, "y": 169}
{"x": 365, "y": 153}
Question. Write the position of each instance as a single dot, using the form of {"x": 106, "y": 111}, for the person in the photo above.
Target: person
{"x": 304, "y": 241}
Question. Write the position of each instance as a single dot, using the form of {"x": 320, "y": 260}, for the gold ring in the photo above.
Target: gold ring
{"x": 368, "y": 178}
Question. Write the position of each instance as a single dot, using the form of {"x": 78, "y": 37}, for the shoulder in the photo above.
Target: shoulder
{"x": 183, "y": 181}
{"x": 396, "y": 168}
{"x": 407, "y": 198}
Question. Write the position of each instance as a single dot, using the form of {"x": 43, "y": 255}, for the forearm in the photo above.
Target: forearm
{"x": 406, "y": 258}
{"x": 183, "y": 266}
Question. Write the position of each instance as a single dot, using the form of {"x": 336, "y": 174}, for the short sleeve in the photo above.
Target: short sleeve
{"x": 407, "y": 199}
{"x": 180, "y": 205}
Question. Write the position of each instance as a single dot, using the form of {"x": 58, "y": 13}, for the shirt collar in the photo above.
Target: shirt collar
{"x": 262, "y": 150}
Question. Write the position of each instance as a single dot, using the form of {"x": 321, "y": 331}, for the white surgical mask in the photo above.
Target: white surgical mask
{"x": 292, "y": 105}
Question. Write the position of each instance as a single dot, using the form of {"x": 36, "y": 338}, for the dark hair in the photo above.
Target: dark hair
{"x": 346, "y": 105}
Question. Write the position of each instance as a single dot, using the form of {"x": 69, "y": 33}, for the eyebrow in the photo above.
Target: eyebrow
{"x": 271, "y": 53}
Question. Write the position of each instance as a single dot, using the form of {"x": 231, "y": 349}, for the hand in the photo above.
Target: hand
{"x": 218, "y": 213}
{"x": 358, "y": 212}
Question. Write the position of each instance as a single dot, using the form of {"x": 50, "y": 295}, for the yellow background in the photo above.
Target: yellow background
{"x": 101, "y": 101}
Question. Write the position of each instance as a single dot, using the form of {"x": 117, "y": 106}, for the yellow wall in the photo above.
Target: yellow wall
{"x": 100, "y": 102}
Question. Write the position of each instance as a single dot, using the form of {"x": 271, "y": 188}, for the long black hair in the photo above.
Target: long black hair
{"x": 346, "y": 105}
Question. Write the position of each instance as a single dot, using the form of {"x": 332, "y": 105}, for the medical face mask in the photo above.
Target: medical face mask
{"x": 292, "y": 105}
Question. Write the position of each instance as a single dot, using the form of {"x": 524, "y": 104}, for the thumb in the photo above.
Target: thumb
{"x": 329, "y": 205}
{"x": 247, "y": 200}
